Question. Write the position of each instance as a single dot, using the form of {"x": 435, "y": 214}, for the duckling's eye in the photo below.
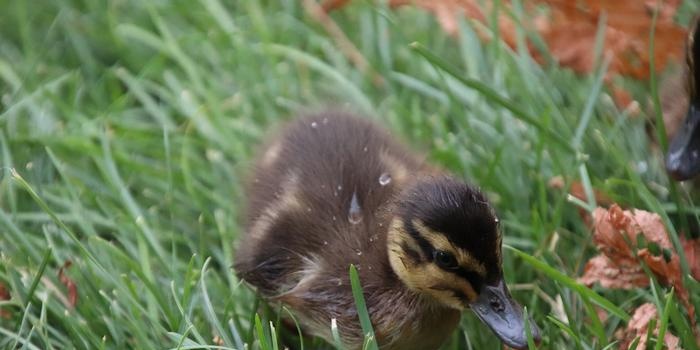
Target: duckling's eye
{"x": 445, "y": 260}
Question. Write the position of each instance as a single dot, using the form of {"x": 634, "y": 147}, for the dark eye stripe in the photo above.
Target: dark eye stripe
{"x": 471, "y": 276}
{"x": 411, "y": 253}
{"x": 461, "y": 296}
{"x": 422, "y": 242}
{"x": 474, "y": 279}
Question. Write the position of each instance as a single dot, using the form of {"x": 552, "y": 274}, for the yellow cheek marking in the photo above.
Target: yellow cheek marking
{"x": 396, "y": 168}
{"x": 439, "y": 241}
{"x": 398, "y": 235}
{"x": 400, "y": 263}
{"x": 286, "y": 202}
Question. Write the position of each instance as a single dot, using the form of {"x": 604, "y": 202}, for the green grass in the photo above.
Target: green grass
{"x": 126, "y": 129}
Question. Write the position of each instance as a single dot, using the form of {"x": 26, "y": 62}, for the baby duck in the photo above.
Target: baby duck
{"x": 683, "y": 158}
{"x": 334, "y": 189}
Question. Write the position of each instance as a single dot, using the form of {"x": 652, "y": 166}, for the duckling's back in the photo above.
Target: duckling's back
{"x": 316, "y": 204}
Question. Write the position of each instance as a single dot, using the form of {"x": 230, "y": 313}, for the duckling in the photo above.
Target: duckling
{"x": 334, "y": 189}
{"x": 683, "y": 157}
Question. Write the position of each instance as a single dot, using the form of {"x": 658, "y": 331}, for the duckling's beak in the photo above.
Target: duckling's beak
{"x": 497, "y": 309}
{"x": 683, "y": 158}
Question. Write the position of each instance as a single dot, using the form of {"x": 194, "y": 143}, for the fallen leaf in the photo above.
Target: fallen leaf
{"x": 70, "y": 285}
{"x": 600, "y": 269}
{"x": 4, "y": 295}
{"x": 691, "y": 247}
{"x": 330, "y": 5}
{"x": 570, "y": 27}
{"x": 638, "y": 325}
{"x": 627, "y": 239}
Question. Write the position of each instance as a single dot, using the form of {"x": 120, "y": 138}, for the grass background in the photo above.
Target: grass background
{"x": 130, "y": 126}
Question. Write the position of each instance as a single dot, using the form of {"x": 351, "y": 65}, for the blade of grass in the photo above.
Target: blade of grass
{"x": 262, "y": 335}
{"x": 362, "y": 312}
{"x": 322, "y": 67}
{"x": 664, "y": 321}
{"x": 296, "y": 324}
{"x": 582, "y": 290}
{"x": 587, "y": 113}
{"x": 336, "y": 336}
{"x": 209, "y": 308}
{"x": 528, "y": 331}
{"x": 273, "y": 335}
{"x": 564, "y": 327}
{"x": 491, "y": 95}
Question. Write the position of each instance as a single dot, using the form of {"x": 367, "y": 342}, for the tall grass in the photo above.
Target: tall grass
{"x": 126, "y": 129}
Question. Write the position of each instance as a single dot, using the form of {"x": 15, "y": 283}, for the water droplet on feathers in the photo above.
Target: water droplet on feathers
{"x": 384, "y": 179}
{"x": 355, "y": 212}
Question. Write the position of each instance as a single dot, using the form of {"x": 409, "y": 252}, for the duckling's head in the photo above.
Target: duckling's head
{"x": 444, "y": 242}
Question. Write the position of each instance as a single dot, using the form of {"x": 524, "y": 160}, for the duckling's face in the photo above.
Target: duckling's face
{"x": 444, "y": 242}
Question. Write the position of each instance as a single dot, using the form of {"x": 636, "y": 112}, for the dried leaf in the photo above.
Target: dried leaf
{"x": 571, "y": 34}
{"x": 638, "y": 325}
{"x": 330, "y": 5}
{"x": 4, "y": 295}
{"x": 569, "y": 28}
{"x": 627, "y": 239}
{"x": 691, "y": 247}
{"x": 70, "y": 285}
{"x": 600, "y": 269}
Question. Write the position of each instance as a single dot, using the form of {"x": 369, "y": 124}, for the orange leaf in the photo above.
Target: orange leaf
{"x": 571, "y": 34}
{"x": 616, "y": 233}
{"x": 600, "y": 269}
{"x": 637, "y": 327}
{"x": 330, "y": 5}
{"x": 570, "y": 29}
{"x": 70, "y": 285}
{"x": 691, "y": 247}
{"x": 4, "y": 295}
